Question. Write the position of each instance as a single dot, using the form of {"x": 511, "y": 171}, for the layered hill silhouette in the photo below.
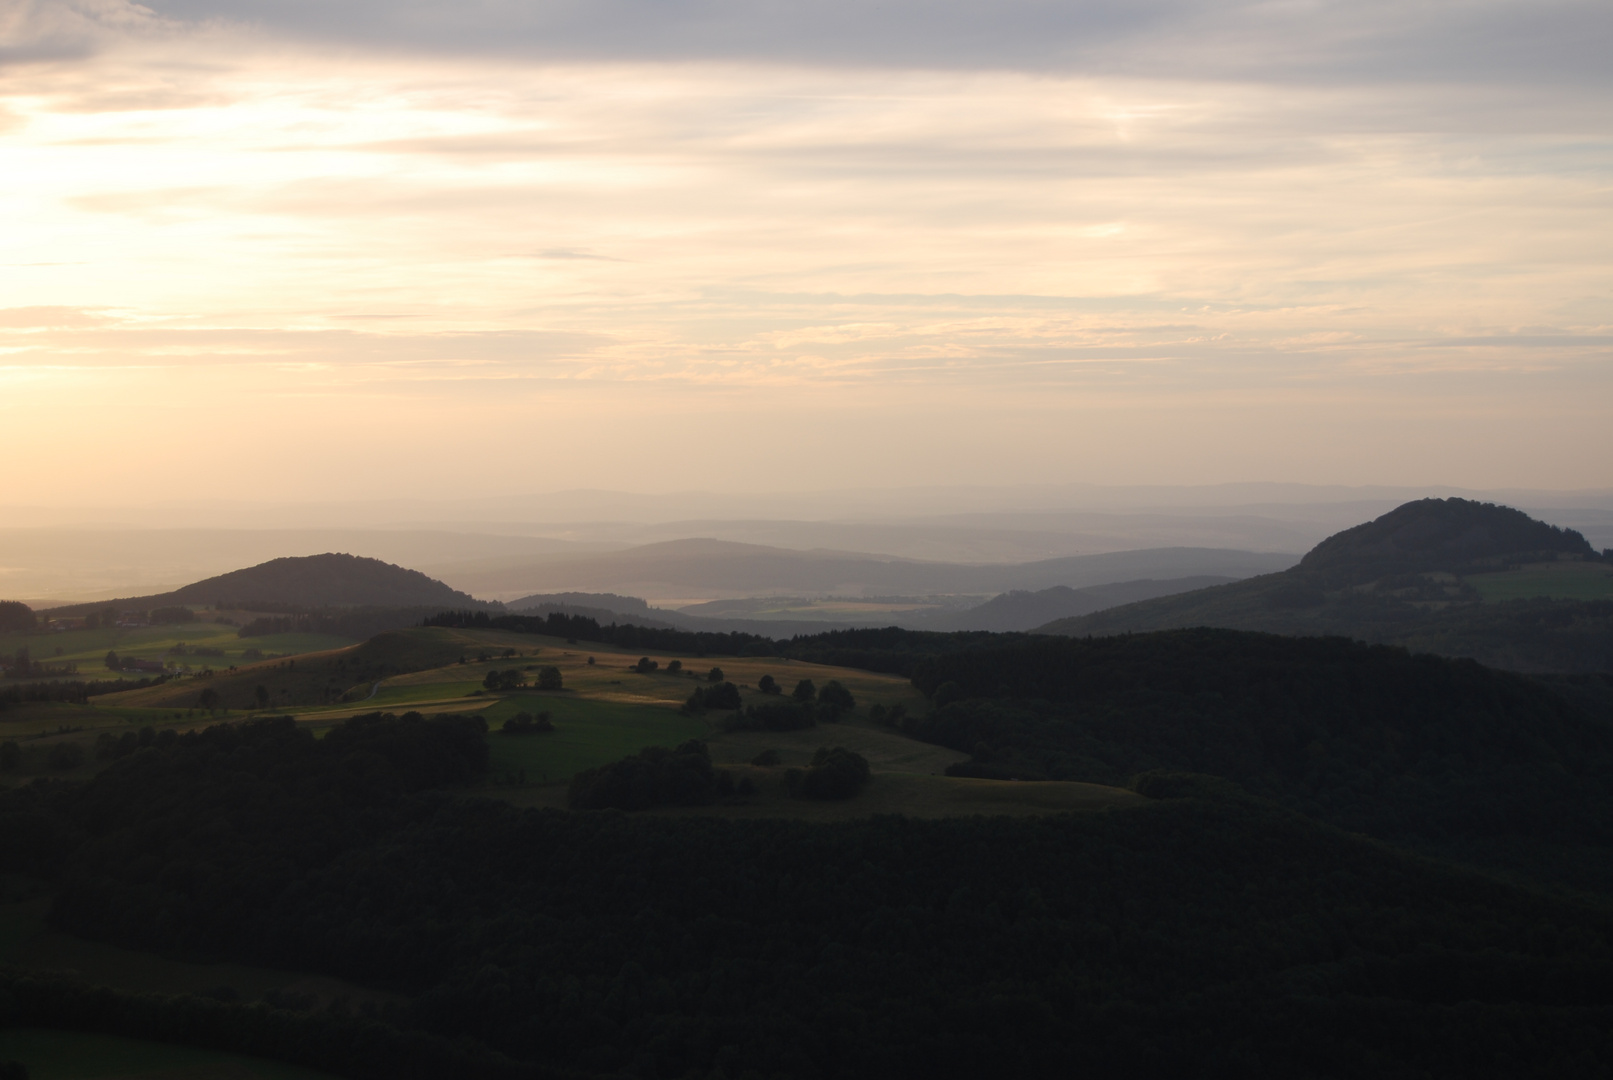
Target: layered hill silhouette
{"x": 1022, "y": 609}
{"x": 1408, "y": 578}
{"x": 707, "y": 567}
{"x": 310, "y": 581}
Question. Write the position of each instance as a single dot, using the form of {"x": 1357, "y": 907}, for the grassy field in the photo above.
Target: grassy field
{"x": 1559, "y": 580}
{"x": 71, "y": 1055}
{"x": 588, "y": 732}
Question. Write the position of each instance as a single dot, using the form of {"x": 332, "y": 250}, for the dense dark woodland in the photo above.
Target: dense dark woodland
{"x": 1205, "y": 935}
{"x": 1443, "y": 756}
{"x": 1398, "y": 580}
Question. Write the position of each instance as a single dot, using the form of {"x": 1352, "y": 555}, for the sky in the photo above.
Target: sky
{"x": 313, "y": 251}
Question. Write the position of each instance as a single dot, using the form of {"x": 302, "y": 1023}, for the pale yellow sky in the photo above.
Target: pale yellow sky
{"x": 294, "y": 268}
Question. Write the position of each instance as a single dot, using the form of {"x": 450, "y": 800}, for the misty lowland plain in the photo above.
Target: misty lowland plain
{"x": 1165, "y": 812}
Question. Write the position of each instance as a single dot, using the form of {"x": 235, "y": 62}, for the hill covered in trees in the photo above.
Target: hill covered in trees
{"x": 1410, "y": 578}
{"x": 1442, "y": 756}
{"x": 302, "y": 583}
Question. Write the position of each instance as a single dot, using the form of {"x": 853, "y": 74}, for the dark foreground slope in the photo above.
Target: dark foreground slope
{"x": 1443, "y": 756}
{"x": 1403, "y": 579}
{"x": 1200, "y": 935}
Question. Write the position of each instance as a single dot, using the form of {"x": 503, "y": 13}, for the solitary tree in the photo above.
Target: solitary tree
{"x": 714, "y": 675}
{"x": 113, "y": 663}
{"x": 549, "y": 679}
{"x": 804, "y": 691}
{"x": 767, "y": 684}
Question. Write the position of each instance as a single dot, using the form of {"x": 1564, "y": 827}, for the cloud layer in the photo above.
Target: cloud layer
{"x": 1169, "y": 243}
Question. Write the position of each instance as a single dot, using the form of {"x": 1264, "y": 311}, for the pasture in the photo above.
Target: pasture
{"x": 607, "y": 710}
{"x": 1556, "y": 580}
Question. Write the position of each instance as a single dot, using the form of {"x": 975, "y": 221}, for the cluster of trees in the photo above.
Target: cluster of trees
{"x": 172, "y": 614}
{"x": 74, "y": 691}
{"x": 525, "y": 723}
{"x": 1444, "y": 756}
{"x": 771, "y": 716}
{"x": 835, "y": 773}
{"x": 627, "y": 635}
{"x": 23, "y": 666}
{"x": 16, "y": 617}
{"x": 806, "y": 707}
{"x": 1202, "y": 934}
{"x": 655, "y": 776}
{"x": 720, "y": 695}
{"x": 503, "y": 680}
{"x": 356, "y": 623}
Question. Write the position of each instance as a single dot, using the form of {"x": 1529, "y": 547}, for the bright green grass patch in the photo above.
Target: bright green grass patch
{"x": 1562, "y": 581}
{"x": 71, "y": 1055}
{"x": 588, "y": 733}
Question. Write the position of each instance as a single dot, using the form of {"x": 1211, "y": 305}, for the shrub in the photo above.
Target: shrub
{"x": 674, "y": 667}
{"x": 645, "y": 665}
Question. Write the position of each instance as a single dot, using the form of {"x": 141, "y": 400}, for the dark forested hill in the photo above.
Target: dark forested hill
{"x": 310, "y": 581}
{"x": 1441, "y": 755}
{"x": 1408, "y": 578}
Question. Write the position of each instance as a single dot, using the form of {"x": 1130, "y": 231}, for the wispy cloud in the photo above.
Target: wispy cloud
{"x": 1022, "y": 245}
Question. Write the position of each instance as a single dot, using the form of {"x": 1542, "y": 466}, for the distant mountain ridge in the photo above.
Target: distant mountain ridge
{"x": 1400, "y": 579}
{"x": 705, "y": 567}
{"x": 308, "y": 581}
{"x": 1020, "y": 610}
